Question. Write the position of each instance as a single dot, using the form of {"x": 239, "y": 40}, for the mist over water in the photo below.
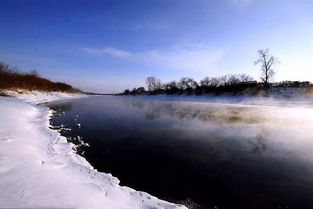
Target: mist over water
{"x": 203, "y": 154}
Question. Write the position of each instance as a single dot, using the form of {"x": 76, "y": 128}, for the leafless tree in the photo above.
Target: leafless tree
{"x": 171, "y": 86}
{"x": 245, "y": 78}
{"x": 233, "y": 79}
{"x": 153, "y": 83}
{"x": 223, "y": 80}
{"x": 206, "y": 82}
{"x": 210, "y": 82}
{"x": 187, "y": 83}
{"x": 267, "y": 62}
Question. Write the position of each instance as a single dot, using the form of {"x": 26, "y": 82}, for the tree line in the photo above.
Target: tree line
{"x": 186, "y": 85}
{"x": 233, "y": 83}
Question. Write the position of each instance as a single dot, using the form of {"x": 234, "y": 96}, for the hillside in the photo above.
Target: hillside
{"x": 13, "y": 79}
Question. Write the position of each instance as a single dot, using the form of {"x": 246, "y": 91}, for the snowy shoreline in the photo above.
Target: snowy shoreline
{"x": 38, "y": 167}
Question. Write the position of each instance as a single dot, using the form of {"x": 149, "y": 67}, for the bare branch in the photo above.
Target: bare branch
{"x": 267, "y": 62}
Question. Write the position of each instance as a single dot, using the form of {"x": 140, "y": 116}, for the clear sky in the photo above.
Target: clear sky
{"x": 107, "y": 46}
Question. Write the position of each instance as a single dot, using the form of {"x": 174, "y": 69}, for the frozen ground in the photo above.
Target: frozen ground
{"x": 39, "y": 169}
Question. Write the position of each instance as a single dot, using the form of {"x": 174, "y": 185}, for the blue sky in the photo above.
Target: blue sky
{"x": 107, "y": 46}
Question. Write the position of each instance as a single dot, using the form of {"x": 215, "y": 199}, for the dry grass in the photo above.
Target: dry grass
{"x": 11, "y": 78}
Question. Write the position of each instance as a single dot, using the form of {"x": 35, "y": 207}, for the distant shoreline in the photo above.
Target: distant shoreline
{"x": 98, "y": 94}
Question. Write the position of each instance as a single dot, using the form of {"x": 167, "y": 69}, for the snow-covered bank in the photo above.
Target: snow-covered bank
{"x": 37, "y": 97}
{"x": 38, "y": 168}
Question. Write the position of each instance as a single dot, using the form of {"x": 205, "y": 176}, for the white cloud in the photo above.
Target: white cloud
{"x": 183, "y": 57}
{"x": 109, "y": 51}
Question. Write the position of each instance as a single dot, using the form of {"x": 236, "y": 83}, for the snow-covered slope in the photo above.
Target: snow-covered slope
{"x": 37, "y": 97}
{"x": 39, "y": 169}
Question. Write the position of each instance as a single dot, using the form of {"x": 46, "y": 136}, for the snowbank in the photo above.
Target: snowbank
{"x": 38, "y": 168}
{"x": 37, "y": 97}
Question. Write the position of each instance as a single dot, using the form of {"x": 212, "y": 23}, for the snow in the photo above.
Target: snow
{"x": 39, "y": 169}
{"x": 37, "y": 97}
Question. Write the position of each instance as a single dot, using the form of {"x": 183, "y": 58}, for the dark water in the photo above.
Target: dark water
{"x": 200, "y": 154}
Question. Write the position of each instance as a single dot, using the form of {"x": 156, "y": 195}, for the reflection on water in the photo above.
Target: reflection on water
{"x": 205, "y": 155}
{"x": 186, "y": 110}
{"x": 259, "y": 144}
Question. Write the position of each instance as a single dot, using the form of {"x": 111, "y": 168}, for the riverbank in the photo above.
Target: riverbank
{"x": 39, "y": 168}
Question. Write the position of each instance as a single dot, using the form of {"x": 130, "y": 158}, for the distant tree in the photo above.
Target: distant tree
{"x": 233, "y": 79}
{"x": 153, "y": 83}
{"x": 150, "y": 82}
{"x": 245, "y": 78}
{"x": 126, "y": 91}
{"x": 140, "y": 90}
{"x": 135, "y": 91}
{"x": 187, "y": 83}
{"x": 171, "y": 87}
{"x": 211, "y": 82}
{"x": 267, "y": 62}
{"x": 223, "y": 80}
{"x": 206, "y": 82}
{"x": 215, "y": 82}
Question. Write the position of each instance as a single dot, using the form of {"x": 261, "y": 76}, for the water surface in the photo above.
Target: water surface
{"x": 205, "y": 155}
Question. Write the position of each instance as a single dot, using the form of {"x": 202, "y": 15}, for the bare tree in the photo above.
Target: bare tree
{"x": 153, "y": 83}
{"x": 267, "y": 62}
{"x": 223, "y": 80}
{"x": 150, "y": 82}
{"x": 245, "y": 78}
{"x": 187, "y": 83}
{"x": 206, "y": 82}
{"x": 171, "y": 86}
